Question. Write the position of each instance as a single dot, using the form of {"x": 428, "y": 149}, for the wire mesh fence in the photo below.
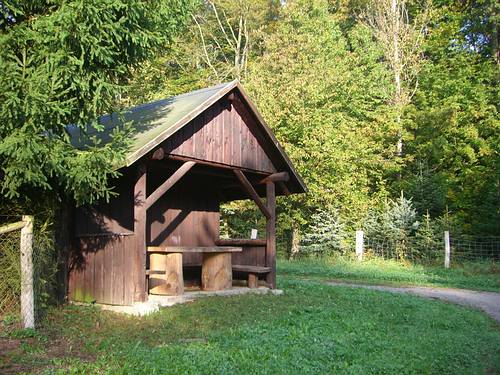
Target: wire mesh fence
{"x": 471, "y": 248}
{"x": 28, "y": 268}
{"x": 408, "y": 249}
{"x": 10, "y": 274}
{"x": 427, "y": 250}
{"x": 432, "y": 249}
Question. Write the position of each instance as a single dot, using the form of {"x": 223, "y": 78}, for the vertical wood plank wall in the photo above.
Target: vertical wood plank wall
{"x": 104, "y": 274}
{"x": 221, "y": 135}
{"x": 188, "y": 215}
{"x": 104, "y": 263}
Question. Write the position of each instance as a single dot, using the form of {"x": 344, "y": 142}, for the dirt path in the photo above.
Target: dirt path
{"x": 489, "y": 302}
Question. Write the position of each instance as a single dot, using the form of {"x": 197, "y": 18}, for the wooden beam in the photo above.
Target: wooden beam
{"x": 271, "y": 235}
{"x": 199, "y": 170}
{"x": 251, "y": 191}
{"x": 240, "y": 242}
{"x": 158, "y": 154}
{"x": 275, "y": 177}
{"x": 171, "y": 181}
{"x": 193, "y": 249}
{"x": 140, "y": 235}
{"x": 254, "y": 269}
{"x": 280, "y": 178}
{"x": 12, "y": 227}
{"x": 214, "y": 164}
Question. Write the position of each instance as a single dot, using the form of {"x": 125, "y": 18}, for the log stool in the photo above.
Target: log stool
{"x": 171, "y": 283}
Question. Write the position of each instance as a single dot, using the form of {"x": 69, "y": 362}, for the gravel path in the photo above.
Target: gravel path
{"x": 489, "y": 302}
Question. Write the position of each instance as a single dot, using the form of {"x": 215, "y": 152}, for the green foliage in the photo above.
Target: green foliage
{"x": 455, "y": 126}
{"x": 325, "y": 234}
{"x": 63, "y": 62}
{"x": 397, "y": 221}
{"x": 321, "y": 82}
{"x": 238, "y": 218}
{"x": 323, "y": 93}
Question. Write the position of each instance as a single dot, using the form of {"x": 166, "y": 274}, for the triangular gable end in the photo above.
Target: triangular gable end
{"x": 224, "y": 133}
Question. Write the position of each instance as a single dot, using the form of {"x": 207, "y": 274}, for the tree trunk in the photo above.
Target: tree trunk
{"x": 295, "y": 242}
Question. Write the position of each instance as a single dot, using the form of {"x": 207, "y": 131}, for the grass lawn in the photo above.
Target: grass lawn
{"x": 472, "y": 275}
{"x": 312, "y": 328}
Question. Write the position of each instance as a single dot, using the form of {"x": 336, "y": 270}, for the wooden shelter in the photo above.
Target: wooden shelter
{"x": 190, "y": 153}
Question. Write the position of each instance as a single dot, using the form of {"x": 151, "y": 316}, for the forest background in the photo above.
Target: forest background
{"x": 388, "y": 109}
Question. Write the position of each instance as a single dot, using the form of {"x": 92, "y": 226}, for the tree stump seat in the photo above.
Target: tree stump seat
{"x": 216, "y": 272}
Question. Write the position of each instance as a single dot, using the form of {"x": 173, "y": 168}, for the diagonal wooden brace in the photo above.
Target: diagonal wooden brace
{"x": 171, "y": 181}
{"x": 247, "y": 186}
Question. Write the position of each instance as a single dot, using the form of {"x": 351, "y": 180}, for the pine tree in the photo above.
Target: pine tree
{"x": 63, "y": 62}
{"x": 325, "y": 235}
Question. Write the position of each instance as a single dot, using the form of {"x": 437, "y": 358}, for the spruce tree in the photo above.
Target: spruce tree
{"x": 324, "y": 235}
{"x": 65, "y": 62}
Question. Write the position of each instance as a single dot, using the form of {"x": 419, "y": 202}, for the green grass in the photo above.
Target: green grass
{"x": 311, "y": 329}
{"x": 472, "y": 275}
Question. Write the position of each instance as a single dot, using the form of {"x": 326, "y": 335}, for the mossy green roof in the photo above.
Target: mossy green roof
{"x": 154, "y": 122}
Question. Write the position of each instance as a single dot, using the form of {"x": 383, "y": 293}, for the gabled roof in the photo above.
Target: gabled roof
{"x": 154, "y": 122}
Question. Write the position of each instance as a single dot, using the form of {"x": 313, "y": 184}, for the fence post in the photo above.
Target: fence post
{"x": 253, "y": 234}
{"x": 447, "y": 249}
{"x": 27, "y": 294}
{"x": 359, "y": 245}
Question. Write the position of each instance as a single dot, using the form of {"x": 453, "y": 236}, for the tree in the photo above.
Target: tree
{"x": 401, "y": 39}
{"x": 324, "y": 95}
{"x": 455, "y": 126}
{"x": 64, "y": 62}
{"x": 325, "y": 235}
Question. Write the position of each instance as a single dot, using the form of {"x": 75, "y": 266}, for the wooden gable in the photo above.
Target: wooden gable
{"x": 224, "y": 133}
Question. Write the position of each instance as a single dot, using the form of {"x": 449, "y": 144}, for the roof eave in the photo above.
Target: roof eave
{"x": 136, "y": 155}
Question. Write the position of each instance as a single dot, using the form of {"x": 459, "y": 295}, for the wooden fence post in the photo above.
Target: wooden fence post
{"x": 27, "y": 293}
{"x": 447, "y": 249}
{"x": 253, "y": 234}
{"x": 359, "y": 245}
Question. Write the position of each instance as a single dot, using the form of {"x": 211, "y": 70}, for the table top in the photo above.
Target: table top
{"x": 194, "y": 249}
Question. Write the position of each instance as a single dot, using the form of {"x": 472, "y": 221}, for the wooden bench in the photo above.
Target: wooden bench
{"x": 216, "y": 272}
{"x": 253, "y": 272}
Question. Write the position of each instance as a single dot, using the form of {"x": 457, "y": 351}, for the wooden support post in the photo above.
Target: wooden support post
{"x": 271, "y": 235}
{"x": 359, "y": 245}
{"x": 27, "y": 293}
{"x": 253, "y": 281}
{"x": 216, "y": 271}
{"x": 251, "y": 191}
{"x": 447, "y": 249}
{"x": 140, "y": 235}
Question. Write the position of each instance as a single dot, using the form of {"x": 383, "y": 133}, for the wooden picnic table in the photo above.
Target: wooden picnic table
{"x": 216, "y": 269}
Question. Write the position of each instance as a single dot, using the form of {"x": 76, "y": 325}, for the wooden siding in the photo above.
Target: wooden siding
{"x": 103, "y": 271}
{"x": 188, "y": 215}
{"x": 250, "y": 256}
{"x": 222, "y": 134}
{"x": 113, "y": 217}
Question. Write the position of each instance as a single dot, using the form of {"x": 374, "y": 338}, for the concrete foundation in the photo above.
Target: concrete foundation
{"x": 155, "y": 302}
